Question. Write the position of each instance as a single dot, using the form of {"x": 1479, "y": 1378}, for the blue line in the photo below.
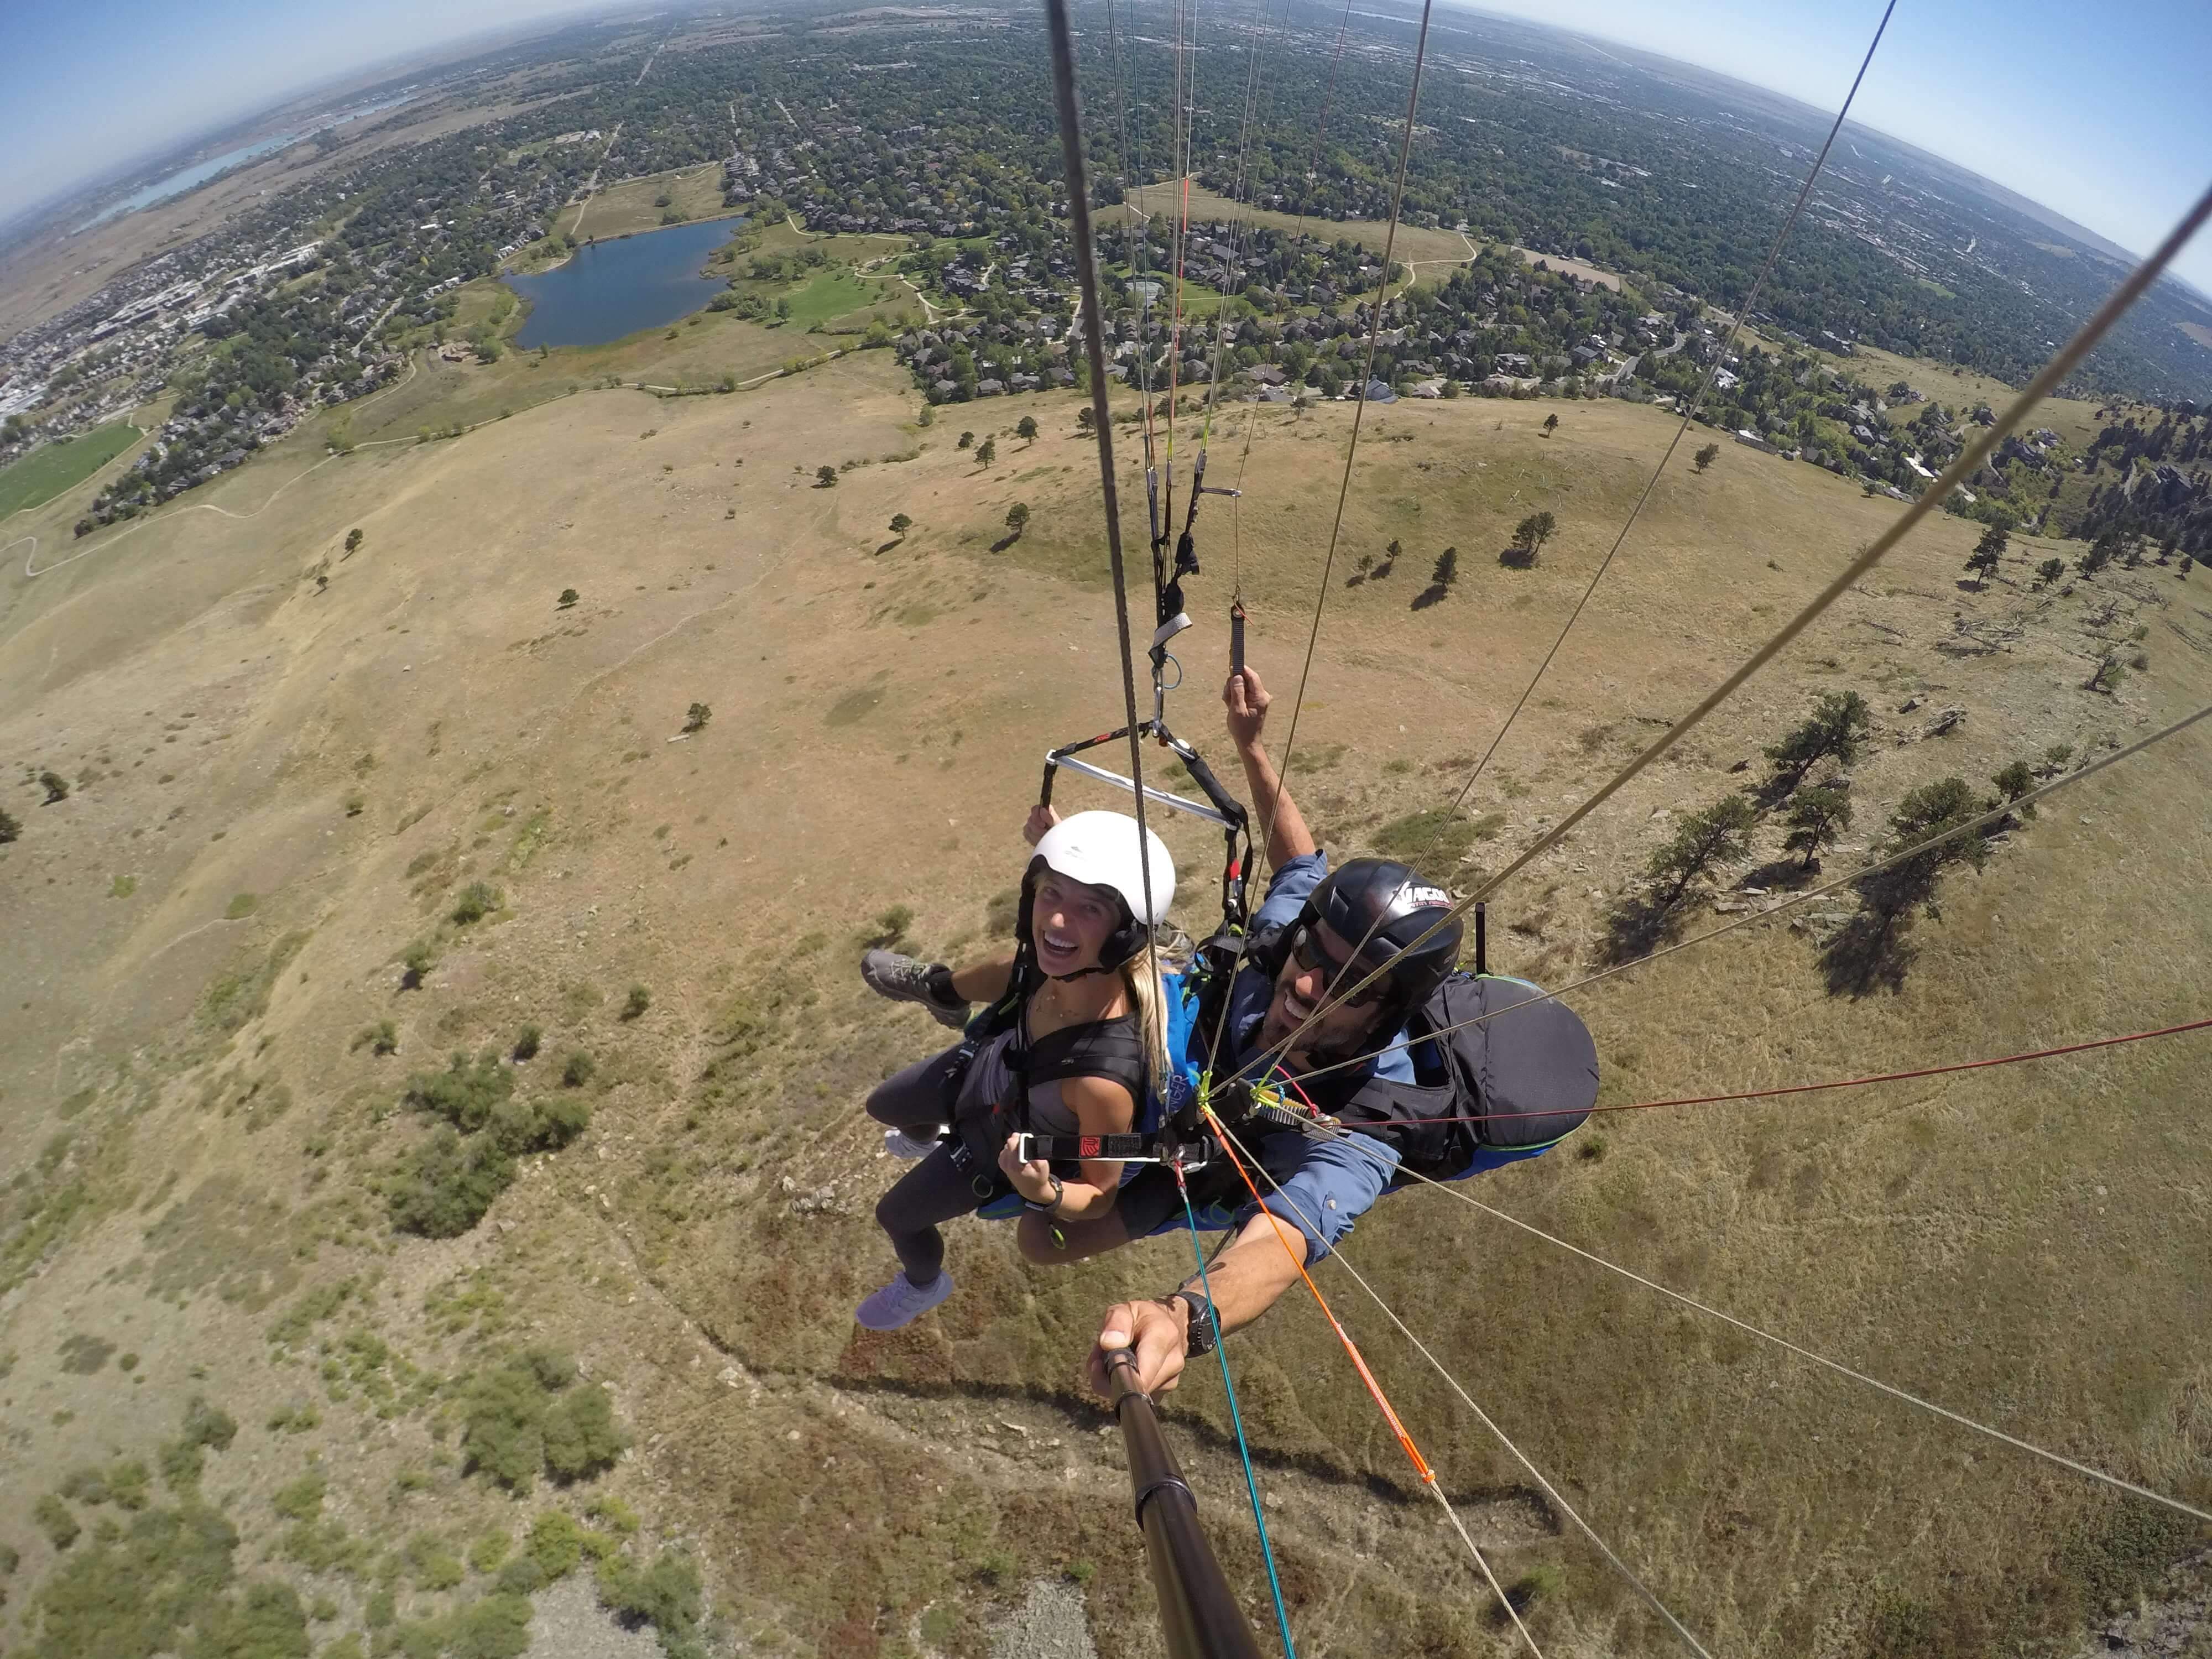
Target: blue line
{"x": 1251, "y": 1484}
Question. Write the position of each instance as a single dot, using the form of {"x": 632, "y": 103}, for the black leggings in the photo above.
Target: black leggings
{"x": 936, "y": 1189}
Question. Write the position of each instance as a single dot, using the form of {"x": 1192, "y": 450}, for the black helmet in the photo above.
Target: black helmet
{"x": 1389, "y": 907}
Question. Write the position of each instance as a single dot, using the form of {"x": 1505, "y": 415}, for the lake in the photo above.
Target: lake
{"x": 191, "y": 178}
{"x": 608, "y": 289}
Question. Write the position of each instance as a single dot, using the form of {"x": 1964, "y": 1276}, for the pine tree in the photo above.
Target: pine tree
{"x": 1834, "y": 731}
{"x": 1818, "y": 818}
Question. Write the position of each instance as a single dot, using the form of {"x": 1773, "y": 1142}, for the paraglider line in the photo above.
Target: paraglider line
{"x": 1969, "y": 460}
{"x": 1236, "y": 1420}
{"x": 1785, "y": 1344}
{"x": 1689, "y": 412}
{"x": 1853, "y": 1082}
{"x": 1971, "y": 824}
{"x": 1231, "y": 1146}
{"x": 1504, "y": 1439}
{"x": 1358, "y": 413}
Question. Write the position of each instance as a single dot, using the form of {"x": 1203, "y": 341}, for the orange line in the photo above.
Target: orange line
{"x": 1374, "y": 1389}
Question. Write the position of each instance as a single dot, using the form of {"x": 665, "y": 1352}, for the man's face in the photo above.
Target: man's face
{"x": 1309, "y": 975}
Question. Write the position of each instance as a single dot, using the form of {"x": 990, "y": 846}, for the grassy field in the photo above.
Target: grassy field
{"x": 1165, "y": 200}
{"x": 634, "y": 204}
{"x": 2072, "y": 419}
{"x": 257, "y": 916}
{"x": 48, "y": 470}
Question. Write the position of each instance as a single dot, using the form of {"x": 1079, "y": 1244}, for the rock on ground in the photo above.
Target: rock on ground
{"x": 1051, "y": 1623}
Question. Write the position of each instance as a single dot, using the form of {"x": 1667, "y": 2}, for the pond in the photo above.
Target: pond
{"x": 608, "y": 289}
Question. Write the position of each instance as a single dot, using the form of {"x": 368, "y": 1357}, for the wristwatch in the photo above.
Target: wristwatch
{"x": 1049, "y": 1206}
{"x": 1203, "y": 1335}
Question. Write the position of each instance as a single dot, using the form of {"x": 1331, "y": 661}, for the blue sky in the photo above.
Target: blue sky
{"x": 2098, "y": 110}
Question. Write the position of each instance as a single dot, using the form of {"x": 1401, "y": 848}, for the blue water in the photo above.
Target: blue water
{"x": 608, "y": 289}
{"x": 177, "y": 183}
{"x": 193, "y": 177}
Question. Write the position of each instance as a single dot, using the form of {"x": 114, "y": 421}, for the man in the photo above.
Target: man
{"x": 1300, "y": 950}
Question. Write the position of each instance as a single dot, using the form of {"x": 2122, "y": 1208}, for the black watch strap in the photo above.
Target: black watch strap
{"x": 1203, "y": 1335}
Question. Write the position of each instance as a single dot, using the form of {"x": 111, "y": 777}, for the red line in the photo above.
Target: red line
{"x": 1374, "y": 1389}
{"x": 1856, "y": 1082}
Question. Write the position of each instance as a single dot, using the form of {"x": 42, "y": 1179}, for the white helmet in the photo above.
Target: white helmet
{"x": 1100, "y": 849}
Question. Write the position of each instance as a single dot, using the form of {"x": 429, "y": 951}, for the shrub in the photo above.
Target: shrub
{"x": 568, "y": 597}
{"x": 637, "y": 1002}
{"x": 825, "y": 477}
{"x": 576, "y": 1070}
{"x": 525, "y": 1045}
{"x": 900, "y": 525}
{"x": 10, "y": 828}
{"x": 209, "y": 1426}
{"x": 302, "y": 1500}
{"x": 556, "y": 1545}
{"x": 582, "y": 1436}
{"x": 55, "y": 785}
{"x": 478, "y": 900}
{"x": 444, "y": 1188}
{"x": 353, "y": 541}
{"x": 464, "y": 1093}
{"x": 381, "y": 1038}
{"x": 528, "y": 1415}
{"x": 489, "y": 1551}
{"x": 417, "y": 960}
{"x": 54, "y": 1519}
{"x": 665, "y": 1595}
{"x": 696, "y": 716}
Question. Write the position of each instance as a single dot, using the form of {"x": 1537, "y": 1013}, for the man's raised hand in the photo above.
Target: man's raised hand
{"x": 1247, "y": 701}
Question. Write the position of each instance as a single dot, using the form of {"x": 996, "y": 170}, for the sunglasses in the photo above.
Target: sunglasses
{"x": 1306, "y": 950}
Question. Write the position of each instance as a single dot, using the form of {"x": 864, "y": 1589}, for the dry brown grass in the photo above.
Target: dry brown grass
{"x": 624, "y": 207}
{"x": 1165, "y": 200}
{"x": 2023, "y": 1245}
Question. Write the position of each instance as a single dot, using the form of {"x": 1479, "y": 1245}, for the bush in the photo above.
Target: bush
{"x": 381, "y": 1038}
{"x": 54, "y": 1519}
{"x": 665, "y": 1595}
{"x": 464, "y": 1093}
{"x": 528, "y": 1415}
{"x": 10, "y": 828}
{"x": 576, "y": 1070}
{"x": 696, "y": 716}
{"x": 417, "y": 960}
{"x": 478, "y": 900}
{"x": 568, "y": 597}
{"x": 556, "y": 1545}
{"x": 525, "y": 1045}
{"x": 55, "y": 785}
{"x": 302, "y": 1500}
{"x": 209, "y": 1426}
{"x": 637, "y": 1002}
{"x": 444, "y": 1188}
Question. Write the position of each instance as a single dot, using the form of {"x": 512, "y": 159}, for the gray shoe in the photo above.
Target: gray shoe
{"x": 905, "y": 979}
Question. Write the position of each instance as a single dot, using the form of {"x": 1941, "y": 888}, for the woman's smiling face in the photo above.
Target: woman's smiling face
{"x": 1071, "y": 923}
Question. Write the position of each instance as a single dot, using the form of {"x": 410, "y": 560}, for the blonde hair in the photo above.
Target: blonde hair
{"x": 1149, "y": 1000}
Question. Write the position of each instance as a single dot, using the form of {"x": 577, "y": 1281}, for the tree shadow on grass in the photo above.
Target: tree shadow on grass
{"x": 1636, "y": 926}
{"x": 1518, "y": 558}
{"x": 1871, "y": 954}
{"x": 1783, "y": 876}
{"x": 1432, "y": 594}
{"x": 1004, "y": 542}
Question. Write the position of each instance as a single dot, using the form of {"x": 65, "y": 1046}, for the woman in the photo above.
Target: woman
{"x": 1084, "y": 1046}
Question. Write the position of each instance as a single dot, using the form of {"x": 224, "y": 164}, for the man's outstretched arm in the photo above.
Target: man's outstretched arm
{"x": 1282, "y": 826}
{"x": 1246, "y": 1279}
